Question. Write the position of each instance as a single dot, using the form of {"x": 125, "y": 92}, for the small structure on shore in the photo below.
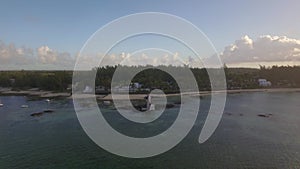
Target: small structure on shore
{"x": 149, "y": 105}
{"x": 101, "y": 90}
{"x": 88, "y": 90}
{"x": 146, "y": 107}
{"x": 264, "y": 83}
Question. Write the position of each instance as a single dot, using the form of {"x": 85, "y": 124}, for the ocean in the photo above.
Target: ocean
{"x": 242, "y": 140}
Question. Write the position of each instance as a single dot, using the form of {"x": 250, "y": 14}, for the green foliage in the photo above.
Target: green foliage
{"x": 281, "y": 76}
{"x": 46, "y": 80}
{"x": 151, "y": 77}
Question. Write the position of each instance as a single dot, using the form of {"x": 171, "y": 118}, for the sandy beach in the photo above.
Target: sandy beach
{"x": 201, "y": 93}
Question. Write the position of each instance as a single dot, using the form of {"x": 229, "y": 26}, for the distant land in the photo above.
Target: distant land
{"x": 143, "y": 82}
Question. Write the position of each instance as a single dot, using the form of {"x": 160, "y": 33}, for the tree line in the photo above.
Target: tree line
{"x": 153, "y": 77}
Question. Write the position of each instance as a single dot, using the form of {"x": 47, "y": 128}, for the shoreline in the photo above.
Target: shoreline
{"x": 52, "y": 94}
{"x": 201, "y": 93}
{"x": 33, "y": 93}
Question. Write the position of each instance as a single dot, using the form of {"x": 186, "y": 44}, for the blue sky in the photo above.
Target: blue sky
{"x": 66, "y": 25}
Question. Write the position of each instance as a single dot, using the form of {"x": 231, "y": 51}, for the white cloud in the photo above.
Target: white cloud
{"x": 266, "y": 48}
{"x": 159, "y": 58}
{"x": 9, "y": 54}
{"x": 49, "y": 56}
{"x": 46, "y": 55}
{"x": 87, "y": 60}
{"x": 16, "y": 58}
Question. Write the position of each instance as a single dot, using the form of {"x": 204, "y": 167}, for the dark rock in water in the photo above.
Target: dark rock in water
{"x": 48, "y": 111}
{"x": 228, "y": 113}
{"x": 168, "y": 106}
{"x": 178, "y": 102}
{"x": 41, "y": 113}
{"x": 141, "y": 107}
{"x": 37, "y": 114}
{"x": 264, "y": 115}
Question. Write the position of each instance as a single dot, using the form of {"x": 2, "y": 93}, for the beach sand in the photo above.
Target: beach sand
{"x": 50, "y": 94}
{"x": 201, "y": 93}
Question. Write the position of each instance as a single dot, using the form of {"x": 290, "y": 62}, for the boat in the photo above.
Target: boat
{"x": 1, "y": 105}
{"x": 48, "y": 104}
{"x": 24, "y": 106}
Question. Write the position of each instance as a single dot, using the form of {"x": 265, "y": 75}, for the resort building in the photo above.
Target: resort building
{"x": 264, "y": 83}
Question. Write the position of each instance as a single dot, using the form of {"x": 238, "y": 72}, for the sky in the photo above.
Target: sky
{"x": 39, "y": 34}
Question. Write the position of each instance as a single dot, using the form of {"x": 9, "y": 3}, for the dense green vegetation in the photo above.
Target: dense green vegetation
{"x": 237, "y": 78}
{"x": 45, "y": 80}
{"x": 282, "y": 76}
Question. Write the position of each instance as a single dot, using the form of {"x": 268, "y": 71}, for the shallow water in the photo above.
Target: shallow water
{"x": 242, "y": 140}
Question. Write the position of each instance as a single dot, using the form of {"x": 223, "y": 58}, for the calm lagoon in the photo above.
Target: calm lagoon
{"x": 242, "y": 140}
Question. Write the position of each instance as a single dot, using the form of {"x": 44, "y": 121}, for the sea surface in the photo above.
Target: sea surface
{"x": 242, "y": 140}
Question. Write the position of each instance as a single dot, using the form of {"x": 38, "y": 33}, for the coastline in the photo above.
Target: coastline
{"x": 34, "y": 93}
{"x": 52, "y": 94}
{"x": 201, "y": 93}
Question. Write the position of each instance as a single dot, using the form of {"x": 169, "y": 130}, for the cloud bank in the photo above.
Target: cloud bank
{"x": 42, "y": 58}
{"x": 243, "y": 52}
{"x": 266, "y": 48}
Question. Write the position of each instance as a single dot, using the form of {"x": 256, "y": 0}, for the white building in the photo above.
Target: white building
{"x": 122, "y": 89}
{"x": 264, "y": 83}
{"x": 137, "y": 85}
{"x": 88, "y": 89}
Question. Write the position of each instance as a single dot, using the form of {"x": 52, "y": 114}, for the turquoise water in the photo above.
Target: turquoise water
{"x": 242, "y": 140}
